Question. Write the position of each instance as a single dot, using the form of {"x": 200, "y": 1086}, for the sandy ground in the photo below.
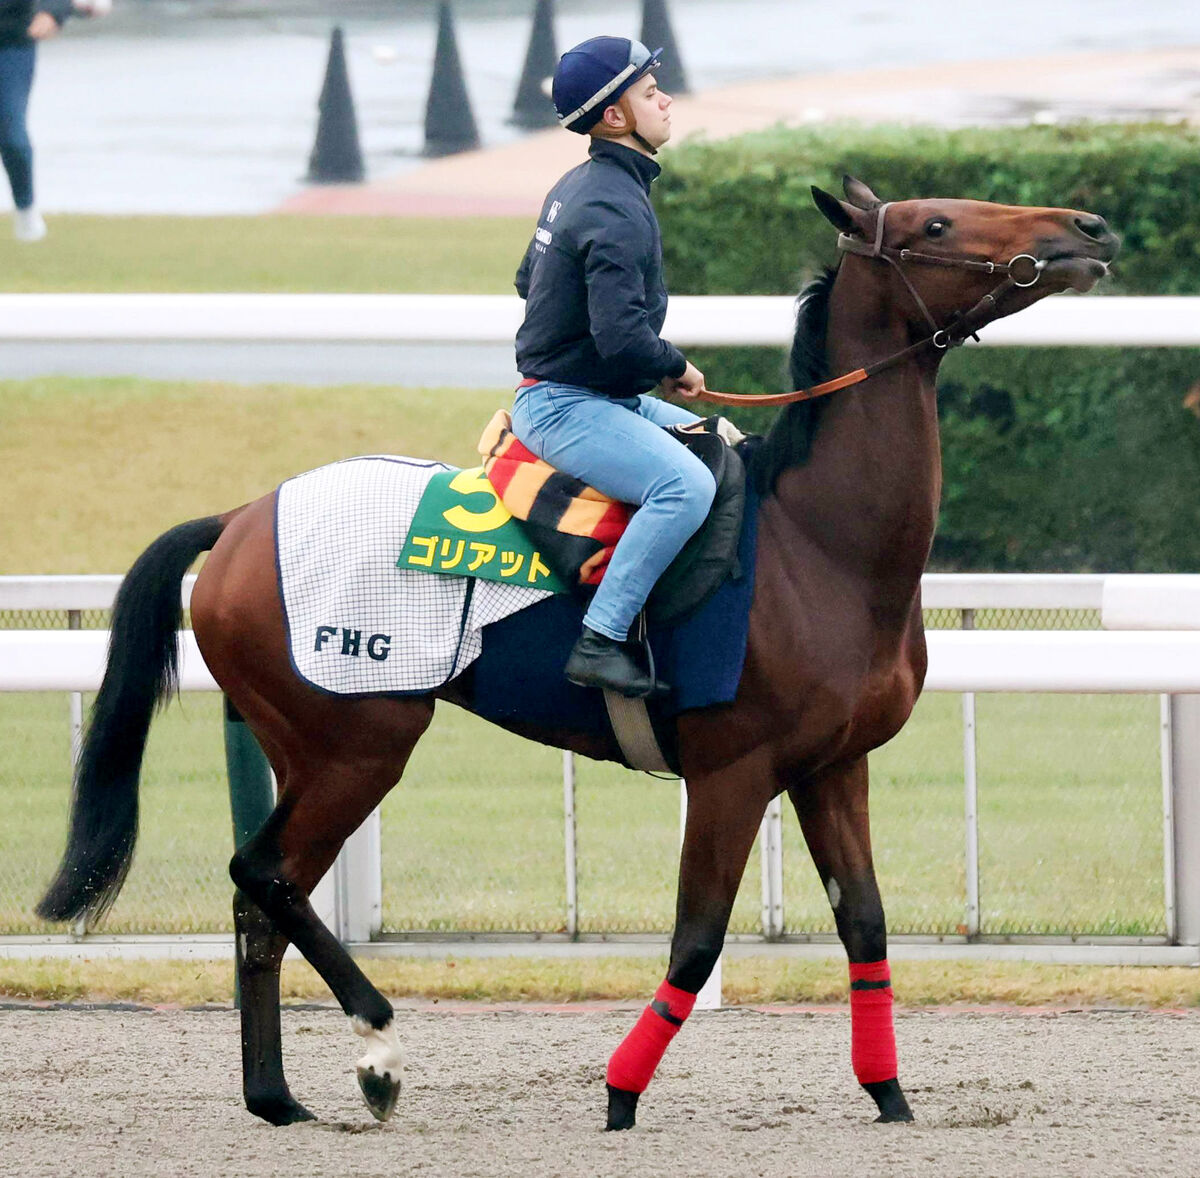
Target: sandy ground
{"x": 502, "y": 1091}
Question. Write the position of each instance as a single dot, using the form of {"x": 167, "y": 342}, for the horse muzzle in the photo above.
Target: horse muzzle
{"x": 1075, "y": 271}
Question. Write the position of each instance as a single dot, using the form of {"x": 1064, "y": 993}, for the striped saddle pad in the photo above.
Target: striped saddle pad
{"x": 577, "y": 527}
{"x": 575, "y": 524}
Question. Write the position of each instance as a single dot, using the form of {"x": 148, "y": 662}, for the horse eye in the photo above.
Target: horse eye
{"x": 936, "y": 227}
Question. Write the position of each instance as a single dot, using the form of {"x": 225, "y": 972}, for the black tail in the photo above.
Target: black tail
{"x": 142, "y": 672}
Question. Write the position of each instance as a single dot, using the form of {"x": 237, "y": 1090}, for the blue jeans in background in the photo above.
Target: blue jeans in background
{"x": 620, "y": 448}
{"x": 16, "y": 152}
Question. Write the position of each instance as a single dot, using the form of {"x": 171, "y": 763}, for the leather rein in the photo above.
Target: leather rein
{"x": 1021, "y": 271}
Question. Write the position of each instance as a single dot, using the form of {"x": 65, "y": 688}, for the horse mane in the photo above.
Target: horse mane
{"x": 789, "y": 440}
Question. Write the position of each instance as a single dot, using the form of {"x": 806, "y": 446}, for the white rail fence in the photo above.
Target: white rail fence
{"x": 1151, "y": 644}
{"x": 735, "y": 320}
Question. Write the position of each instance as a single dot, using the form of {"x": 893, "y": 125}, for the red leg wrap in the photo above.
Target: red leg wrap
{"x": 632, "y": 1065}
{"x": 872, "y": 1033}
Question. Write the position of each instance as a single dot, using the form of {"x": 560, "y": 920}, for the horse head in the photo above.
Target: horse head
{"x": 950, "y": 252}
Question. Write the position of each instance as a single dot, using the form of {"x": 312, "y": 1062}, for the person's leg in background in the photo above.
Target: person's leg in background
{"x": 16, "y": 150}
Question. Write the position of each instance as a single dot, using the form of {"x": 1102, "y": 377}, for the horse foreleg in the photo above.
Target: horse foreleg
{"x": 722, "y": 819}
{"x": 833, "y": 814}
{"x": 259, "y": 955}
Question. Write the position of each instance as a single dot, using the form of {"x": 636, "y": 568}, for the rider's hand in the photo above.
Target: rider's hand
{"x": 690, "y": 384}
{"x": 42, "y": 26}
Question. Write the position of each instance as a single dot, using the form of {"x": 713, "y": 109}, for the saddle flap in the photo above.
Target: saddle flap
{"x": 710, "y": 556}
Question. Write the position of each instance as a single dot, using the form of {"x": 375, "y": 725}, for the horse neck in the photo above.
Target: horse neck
{"x": 868, "y": 495}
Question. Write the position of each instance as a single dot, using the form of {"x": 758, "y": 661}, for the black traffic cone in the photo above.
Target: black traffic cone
{"x": 336, "y": 156}
{"x": 449, "y": 123}
{"x": 656, "y": 31}
{"x": 533, "y": 107}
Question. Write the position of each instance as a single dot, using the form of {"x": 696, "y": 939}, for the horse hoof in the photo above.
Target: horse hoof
{"x": 622, "y": 1109}
{"x": 893, "y": 1107}
{"x": 279, "y": 1110}
{"x": 380, "y": 1092}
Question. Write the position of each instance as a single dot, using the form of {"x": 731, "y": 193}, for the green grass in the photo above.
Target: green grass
{"x": 745, "y": 980}
{"x": 102, "y": 466}
{"x": 472, "y": 838}
{"x": 390, "y": 255}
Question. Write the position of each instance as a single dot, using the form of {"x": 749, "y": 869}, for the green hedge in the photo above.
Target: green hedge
{"x": 1055, "y": 459}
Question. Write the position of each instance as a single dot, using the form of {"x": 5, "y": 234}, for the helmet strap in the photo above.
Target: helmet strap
{"x": 602, "y": 131}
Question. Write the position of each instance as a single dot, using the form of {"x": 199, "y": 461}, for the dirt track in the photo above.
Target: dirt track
{"x": 491, "y": 1092}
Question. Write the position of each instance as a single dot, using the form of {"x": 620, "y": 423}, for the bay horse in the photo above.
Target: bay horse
{"x": 835, "y": 661}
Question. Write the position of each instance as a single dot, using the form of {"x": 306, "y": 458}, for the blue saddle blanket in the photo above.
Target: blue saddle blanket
{"x": 519, "y": 674}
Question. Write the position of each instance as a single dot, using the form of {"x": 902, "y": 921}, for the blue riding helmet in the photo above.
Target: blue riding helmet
{"x": 594, "y": 75}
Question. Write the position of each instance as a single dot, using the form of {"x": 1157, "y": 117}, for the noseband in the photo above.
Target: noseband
{"x": 1019, "y": 272}
{"x": 953, "y": 334}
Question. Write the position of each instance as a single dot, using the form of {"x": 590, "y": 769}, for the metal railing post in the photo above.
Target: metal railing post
{"x": 572, "y": 868}
{"x": 75, "y": 710}
{"x": 75, "y": 622}
{"x": 709, "y": 997}
{"x": 358, "y": 884}
{"x": 770, "y": 845}
{"x": 1166, "y": 759}
{"x": 971, "y": 798}
{"x": 1184, "y": 739}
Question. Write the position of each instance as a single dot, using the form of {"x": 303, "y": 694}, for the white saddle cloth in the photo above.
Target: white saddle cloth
{"x": 358, "y": 625}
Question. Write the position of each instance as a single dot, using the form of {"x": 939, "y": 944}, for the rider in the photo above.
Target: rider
{"x": 590, "y": 351}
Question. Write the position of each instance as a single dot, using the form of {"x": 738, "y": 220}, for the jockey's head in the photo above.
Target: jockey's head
{"x": 605, "y": 88}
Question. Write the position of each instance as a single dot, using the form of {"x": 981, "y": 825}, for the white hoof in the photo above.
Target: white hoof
{"x": 380, "y": 1068}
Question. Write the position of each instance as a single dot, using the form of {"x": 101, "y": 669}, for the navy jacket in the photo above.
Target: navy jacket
{"x": 15, "y": 16}
{"x": 592, "y": 281}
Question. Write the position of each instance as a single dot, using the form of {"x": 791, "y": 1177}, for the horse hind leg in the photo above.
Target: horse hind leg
{"x": 833, "y": 814}
{"x": 329, "y": 790}
{"x": 260, "y": 949}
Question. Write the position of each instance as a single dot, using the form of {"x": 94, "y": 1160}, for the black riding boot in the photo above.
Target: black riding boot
{"x": 599, "y": 661}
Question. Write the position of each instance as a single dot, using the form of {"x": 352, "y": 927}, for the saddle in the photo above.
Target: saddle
{"x": 576, "y": 527}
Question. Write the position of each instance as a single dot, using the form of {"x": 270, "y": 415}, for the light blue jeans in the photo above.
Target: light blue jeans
{"x": 620, "y": 448}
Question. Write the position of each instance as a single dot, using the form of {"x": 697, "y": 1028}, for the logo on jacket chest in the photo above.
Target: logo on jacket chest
{"x": 544, "y": 237}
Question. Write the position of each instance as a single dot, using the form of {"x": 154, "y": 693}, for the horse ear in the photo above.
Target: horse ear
{"x": 859, "y": 195}
{"x": 839, "y": 214}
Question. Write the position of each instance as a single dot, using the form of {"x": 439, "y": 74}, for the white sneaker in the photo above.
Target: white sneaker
{"x": 28, "y": 225}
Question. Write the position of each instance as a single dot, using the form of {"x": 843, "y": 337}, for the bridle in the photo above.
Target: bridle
{"x": 1020, "y": 271}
